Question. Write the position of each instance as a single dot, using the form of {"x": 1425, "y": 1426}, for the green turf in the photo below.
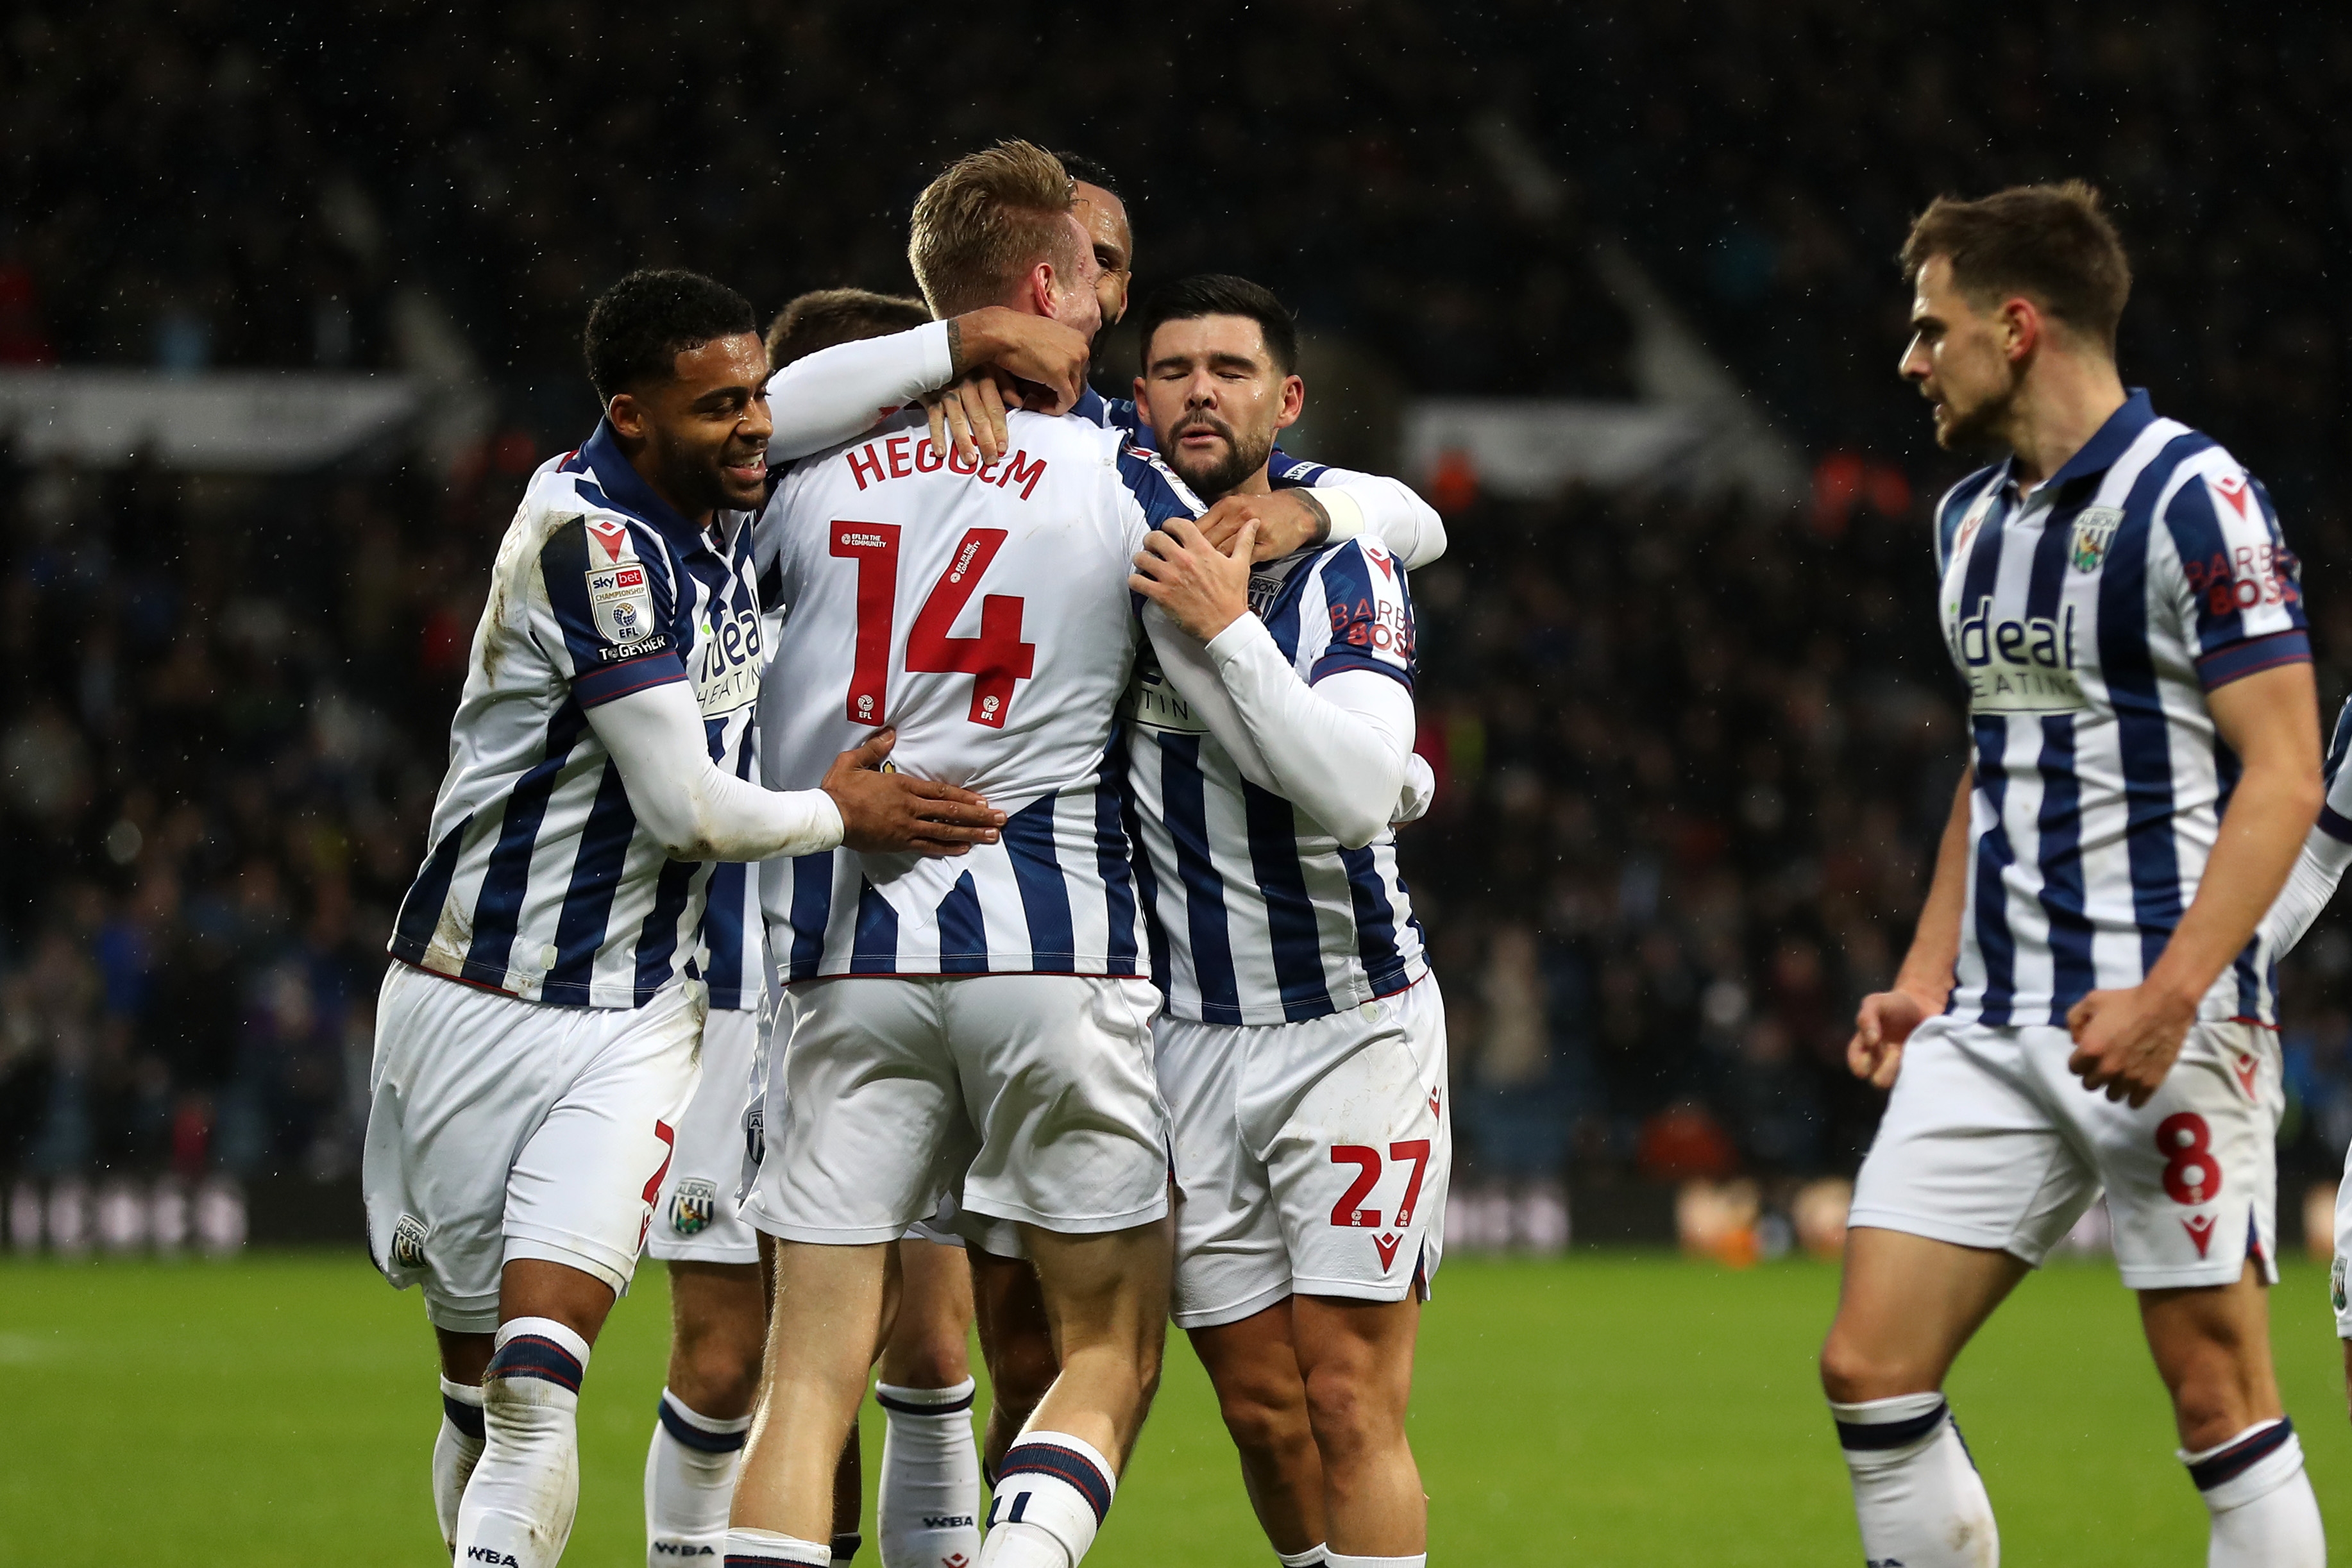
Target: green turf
{"x": 1603, "y": 1411}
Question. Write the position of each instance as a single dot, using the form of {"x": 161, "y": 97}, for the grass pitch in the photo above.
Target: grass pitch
{"x": 1604, "y": 1410}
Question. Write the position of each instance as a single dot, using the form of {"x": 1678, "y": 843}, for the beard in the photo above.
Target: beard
{"x": 1212, "y": 477}
{"x": 1979, "y": 427}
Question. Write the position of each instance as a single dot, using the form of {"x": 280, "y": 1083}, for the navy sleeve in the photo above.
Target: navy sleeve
{"x": 610, "y": 608}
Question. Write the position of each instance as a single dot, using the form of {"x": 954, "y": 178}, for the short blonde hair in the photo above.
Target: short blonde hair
{"x": 987, "y": 219}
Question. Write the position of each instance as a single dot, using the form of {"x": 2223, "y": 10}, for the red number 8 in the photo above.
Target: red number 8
{"x": 2191, "y": 1173}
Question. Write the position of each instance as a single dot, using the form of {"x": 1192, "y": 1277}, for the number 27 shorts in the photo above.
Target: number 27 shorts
{"x": 1988, "y": 1141}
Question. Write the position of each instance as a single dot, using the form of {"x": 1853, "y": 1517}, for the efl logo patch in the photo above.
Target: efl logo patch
{"x": 2094, "y": 530}
{"x": 621, "y": 598}
{"x": 693, "y": 1206}
{"x": 409, "y": 1242}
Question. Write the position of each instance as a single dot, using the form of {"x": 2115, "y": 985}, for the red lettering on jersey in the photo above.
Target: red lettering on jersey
{"x": 924, "y": 449}
{"x": 1387, "y": 1246}
{"x": 1021, "y": 472}
{"x": 2200, "y": 1230}
{"x": 2232, "y": 487}
{"x": 897, "y": 446}
{"x": 863, "y": 461}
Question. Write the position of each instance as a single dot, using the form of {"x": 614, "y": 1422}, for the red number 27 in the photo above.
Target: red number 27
{"x": 996, "y": 659}
{"x": 1367, "y": 1161}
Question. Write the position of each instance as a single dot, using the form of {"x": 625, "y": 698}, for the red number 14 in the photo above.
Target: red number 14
{"x": 996, "y": 659}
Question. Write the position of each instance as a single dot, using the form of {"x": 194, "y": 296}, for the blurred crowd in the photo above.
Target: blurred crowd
{"x": 1693, "y": 754}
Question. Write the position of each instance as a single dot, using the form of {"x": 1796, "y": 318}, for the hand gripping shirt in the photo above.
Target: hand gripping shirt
{"x": 1261, "y": 916}
{"x": 539, "y": 879}
{"x": 2088, "y": 621}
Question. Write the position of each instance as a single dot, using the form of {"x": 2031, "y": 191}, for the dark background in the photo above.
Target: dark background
{"x": 1694, "y": 752}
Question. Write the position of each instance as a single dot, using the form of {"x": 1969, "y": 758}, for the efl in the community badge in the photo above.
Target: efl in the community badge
{"x": 2094, "y": 530}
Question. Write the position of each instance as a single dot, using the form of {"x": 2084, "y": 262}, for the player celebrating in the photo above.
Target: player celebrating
{"x": 1303, "y": 1051}
{"x": 928, "y": 1502}
{"x": 537, "y": 1029}
{"x": 2130, "y": 627}
{"x": 993, "y": 1026}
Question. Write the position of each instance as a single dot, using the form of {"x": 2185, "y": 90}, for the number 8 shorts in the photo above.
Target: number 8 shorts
{"x": 1311, "y": 1158}
{"x": 1988, "y": 1141}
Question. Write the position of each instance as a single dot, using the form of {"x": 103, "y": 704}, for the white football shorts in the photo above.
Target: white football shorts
{"x": 1028, "y": 1098}
{"x": 1988, "y": 1141}
{"x": 1311, "y": 1158}
{"x": 503, "y": 1129}
{"x": 696, "y": 1218}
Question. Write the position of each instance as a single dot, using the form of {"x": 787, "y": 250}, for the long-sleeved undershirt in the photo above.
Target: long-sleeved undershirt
{"x": 694, "y": 810}
{"x": 2309, "y": 885}
{"x": 1336, "y": 750}
{"x": 838, "y": 393}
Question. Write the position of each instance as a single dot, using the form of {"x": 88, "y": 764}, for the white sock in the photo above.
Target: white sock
{"x": 690, "y": 1481}
{"x": 1052, "y": 1492}
{"x": 926, "y": 1509}
{"x": 2263, "y": 1513}
{"x": 1313, "y": 1557}
{"x": 766, "y": 1549}
{"x": 1341, "y": 1560}
{"x": 1916, "y": 1493}
{"x": 454, "y": 1453}
{"x": 518, "y": 1505}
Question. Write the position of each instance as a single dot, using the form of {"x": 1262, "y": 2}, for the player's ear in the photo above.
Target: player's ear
{"x": 1294, "y": 402}
{"x": 2021, "y": 328}
{"x": 628, "y": 415}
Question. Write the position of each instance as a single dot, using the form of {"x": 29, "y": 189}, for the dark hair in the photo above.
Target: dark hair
{"x": 1221, "y": 294}
{"x": 2052, "y": 243}
{"x": 1092, "y": 170}
{"x": 638, "y": 327}
{"x": 825, "y": 317}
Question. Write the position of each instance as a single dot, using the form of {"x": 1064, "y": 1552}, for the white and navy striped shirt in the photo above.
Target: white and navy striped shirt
{"x": 984, "y": 613}
{"x": 1260, "y": 916}
{"x": 539, "y": 880}
{"x": 2088, "y": 620}
{"x": 734, "y": 939}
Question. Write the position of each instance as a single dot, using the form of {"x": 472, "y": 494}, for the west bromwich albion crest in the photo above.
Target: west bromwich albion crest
{"x": 2094, "y": 530}
{"x": 693, "y": 1206}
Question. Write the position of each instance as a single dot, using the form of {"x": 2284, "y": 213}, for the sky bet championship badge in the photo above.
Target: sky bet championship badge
{"x": 2094, "y": 530}
{"x": 693, "y": 1206}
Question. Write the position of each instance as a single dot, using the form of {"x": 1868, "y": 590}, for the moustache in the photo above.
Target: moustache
{"x": 1207, "y": 422}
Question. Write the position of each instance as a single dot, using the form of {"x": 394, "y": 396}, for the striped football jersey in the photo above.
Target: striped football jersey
{"x": 539, "y": 880}
{"x": 1262, "y": 917}
{"x": 2088, "y": 621}
{"x": 984, "y": 613}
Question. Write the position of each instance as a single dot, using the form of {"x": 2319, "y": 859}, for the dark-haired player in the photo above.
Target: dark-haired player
{"x": 536, "y": 1036}
{"x": 2086, "y": 1002}
{"x": 1302, "y": 1050}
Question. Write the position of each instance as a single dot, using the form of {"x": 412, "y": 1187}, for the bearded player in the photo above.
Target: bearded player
{"x": 2087, "y": 999}
{"x": 1303, "y": 1048}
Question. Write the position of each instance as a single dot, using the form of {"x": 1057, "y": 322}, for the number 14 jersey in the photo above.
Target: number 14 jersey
{"x": 984, "y": 613}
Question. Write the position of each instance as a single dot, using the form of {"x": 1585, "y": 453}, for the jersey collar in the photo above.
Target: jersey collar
{"x": 2110, "y": 441}
{"x": 627, "y": 489}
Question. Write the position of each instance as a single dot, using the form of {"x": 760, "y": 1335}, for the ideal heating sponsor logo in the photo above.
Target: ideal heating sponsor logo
{"x": 2023, "y": 665}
